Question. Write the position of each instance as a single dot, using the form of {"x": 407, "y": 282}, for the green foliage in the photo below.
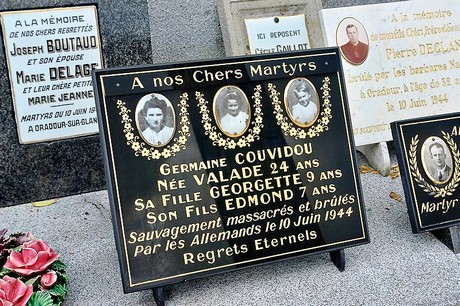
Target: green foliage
{"x": 58, "y": 266}
{"x": 58, "y": 290}
{"x": 40, "y": 298}
{"x": 4, "y": 271}
{"x": 32, "y": 280}
{"x": 17, "y": 249}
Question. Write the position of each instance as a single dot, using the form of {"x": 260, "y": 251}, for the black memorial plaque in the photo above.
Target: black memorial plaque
{"x": 194, "y": 193}
{"x": 429, "y": 161}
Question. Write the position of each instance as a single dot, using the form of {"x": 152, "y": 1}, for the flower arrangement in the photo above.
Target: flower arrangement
{"x": 30, "y": 272}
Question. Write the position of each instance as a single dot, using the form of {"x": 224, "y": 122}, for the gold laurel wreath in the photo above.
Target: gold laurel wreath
{"x": 226, "y": 142}
{"x": 297, "y": 132}
{"x": 140, "y": 148}
{"x": 430, "y": 189}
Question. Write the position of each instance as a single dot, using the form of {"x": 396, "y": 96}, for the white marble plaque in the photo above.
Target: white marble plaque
{"x": 50, "y": 55}
{"x": 406, "y": 64}
{"x": 277, "y": 34}
{"x": 233, "y": 15}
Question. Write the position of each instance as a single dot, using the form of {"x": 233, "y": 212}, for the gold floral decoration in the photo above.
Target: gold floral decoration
{"x": 430, "y": 189}
{"x": 218, "y": 139}
{"x": 289, "y": 128}
{"x": 140, "y": 148}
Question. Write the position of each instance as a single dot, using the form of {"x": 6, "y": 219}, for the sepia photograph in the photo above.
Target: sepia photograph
{"x": 353, "y": 40}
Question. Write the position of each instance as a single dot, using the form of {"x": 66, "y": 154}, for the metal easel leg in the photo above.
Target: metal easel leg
{"x": 338, "y": 258}
{"x": 159, "y": 296}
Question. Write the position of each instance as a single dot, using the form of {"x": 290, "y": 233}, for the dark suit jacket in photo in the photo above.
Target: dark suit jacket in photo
{"x": 444, "y": 176}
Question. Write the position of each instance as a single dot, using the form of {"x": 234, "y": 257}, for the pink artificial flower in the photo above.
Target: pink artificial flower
{"x": 13, "y": 292}
{"x": 35, "y": 256}
{"x": 48, "y": 279}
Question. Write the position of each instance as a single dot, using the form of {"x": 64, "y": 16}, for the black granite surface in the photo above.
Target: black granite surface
{"x": 48, "y": 170}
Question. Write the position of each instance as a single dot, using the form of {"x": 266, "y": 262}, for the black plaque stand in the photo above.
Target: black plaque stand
{"x": 338, "y": 258}
{"x": 451, "y": 237}
{"x": 159, "y": 296}
{"x": 455, "y": 237}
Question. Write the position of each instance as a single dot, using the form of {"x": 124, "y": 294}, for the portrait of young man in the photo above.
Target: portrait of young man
{"x": 301, "y": 102}
{"x": 155, "y": 119}
{"x": 356, "y": 48}
{"x": 231, "y": 110}
{"x": 437, "y": 160}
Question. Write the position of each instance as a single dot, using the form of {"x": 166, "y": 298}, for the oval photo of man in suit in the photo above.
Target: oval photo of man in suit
{"x": 437, "y": 160}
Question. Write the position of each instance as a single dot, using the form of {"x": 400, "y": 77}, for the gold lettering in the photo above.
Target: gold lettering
{"x": 137, "y": 83}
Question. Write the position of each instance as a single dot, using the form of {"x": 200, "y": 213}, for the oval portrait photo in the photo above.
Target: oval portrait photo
{"x": 301, "y": 102}
{"x": 155, "y": 119}
{"x": 437, "y": 160}
{"x": 353, "y": 41}
{"x": 232, "y": 111}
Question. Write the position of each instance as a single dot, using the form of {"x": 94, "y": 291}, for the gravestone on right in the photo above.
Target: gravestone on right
{"x": 400, "y": 62}
{"x": 429, "y": 158}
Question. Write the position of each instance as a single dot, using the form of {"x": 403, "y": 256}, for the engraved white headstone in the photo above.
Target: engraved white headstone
{"x": 50, "y": 55}
{"x": 235, "y": 14}
{"x": 406, "y": 64}
{"x": 277, "y": 34}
